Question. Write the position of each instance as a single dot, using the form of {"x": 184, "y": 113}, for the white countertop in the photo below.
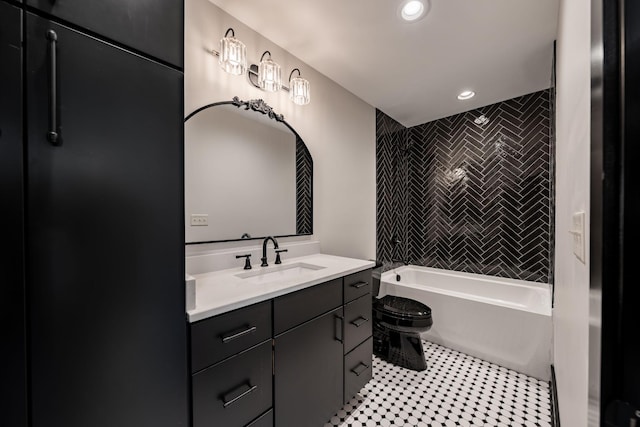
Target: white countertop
{"x": 221, "y": 291}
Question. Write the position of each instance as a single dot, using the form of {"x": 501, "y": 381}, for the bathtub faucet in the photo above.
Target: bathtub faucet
{"x": 405, "y": 262}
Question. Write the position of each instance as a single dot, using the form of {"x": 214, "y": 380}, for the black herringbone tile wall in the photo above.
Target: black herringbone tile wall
{"x": 391, "y": 184}
{"x": 466, "y": 196}
{"x": 304, "y": 185}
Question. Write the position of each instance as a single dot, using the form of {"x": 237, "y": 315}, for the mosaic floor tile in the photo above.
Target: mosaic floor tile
{"x": 455, "y": 390}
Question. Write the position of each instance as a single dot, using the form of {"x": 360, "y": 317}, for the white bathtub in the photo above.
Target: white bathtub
{"x": 504, "y": 321}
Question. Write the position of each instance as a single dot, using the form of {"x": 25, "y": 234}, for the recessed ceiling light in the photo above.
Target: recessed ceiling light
{"x": 467, "y": 94}
{"x": 413, "y": 10}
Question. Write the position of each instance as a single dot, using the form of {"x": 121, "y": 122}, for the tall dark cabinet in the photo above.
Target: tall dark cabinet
{"x": 102, "y": 188}
{"x": 13, "y": 368}
{"x": 615, "y": 206}
{"x": 153, "y": 27}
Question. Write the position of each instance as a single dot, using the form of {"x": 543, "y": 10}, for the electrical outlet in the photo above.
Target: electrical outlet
{"x": 577, "y": 229}
{"x": 199, "y": 220}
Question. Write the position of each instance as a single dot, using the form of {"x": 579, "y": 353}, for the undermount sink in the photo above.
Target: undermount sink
{"x": 281, "y": 272}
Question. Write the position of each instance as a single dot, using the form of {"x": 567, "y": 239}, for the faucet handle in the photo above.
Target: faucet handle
{"x": 278, "y": 260}
{"x": 247, "y": 261}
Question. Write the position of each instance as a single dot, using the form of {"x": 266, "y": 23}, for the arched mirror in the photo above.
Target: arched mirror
{"x": 248, "y": 174}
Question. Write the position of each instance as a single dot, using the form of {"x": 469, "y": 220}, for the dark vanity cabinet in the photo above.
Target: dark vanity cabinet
{"x": 153, "y": 27}
{"x": 290, "y": 361}
{"x": 13, "y": 369}
{"x": 92, "y": 177}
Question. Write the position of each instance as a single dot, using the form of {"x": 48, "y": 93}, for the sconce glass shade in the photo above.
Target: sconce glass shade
{"x": 269, "y": 75}
{"x": 299, "y": 91}
{"x": 233, "y": 55}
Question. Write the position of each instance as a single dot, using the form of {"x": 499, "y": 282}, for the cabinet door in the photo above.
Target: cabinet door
{"x": 154, "y": 27}
{"x": 12, "y": 370}
{"x": 309, "y": 372}
{"x": 105, "y": 248}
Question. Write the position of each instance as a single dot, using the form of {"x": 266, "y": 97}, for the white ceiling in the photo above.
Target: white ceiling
{"x": 413, "y": 72}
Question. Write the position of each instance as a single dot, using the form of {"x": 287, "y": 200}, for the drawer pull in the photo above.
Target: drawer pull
{"x": 235, "y": 335}
{"x": 339, "y": 324}
{"x": 358, "y": 370}
{"x": 359, "y": 285}
{"x": 359, "y": 321}
{"x": 228, "y": 400}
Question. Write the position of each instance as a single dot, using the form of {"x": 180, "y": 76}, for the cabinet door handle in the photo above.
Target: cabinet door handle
{"x": 358, "y": 370}
{"x": 235, "y": 335}
{"x": 53, "y": 136}
{"x": 359, "y": 285}
{"x": 359, "y": 321}
{"x": 228, "y": 398}
{"x": 339, "y": 324}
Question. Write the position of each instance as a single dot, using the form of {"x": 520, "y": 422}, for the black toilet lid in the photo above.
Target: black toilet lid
{"x": 404, "y": 307}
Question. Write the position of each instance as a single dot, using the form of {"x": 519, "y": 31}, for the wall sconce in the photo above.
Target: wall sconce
{"x": 267, "y": 76}
{"x": 233, "y": 54}
{"x": 299, "y": 89}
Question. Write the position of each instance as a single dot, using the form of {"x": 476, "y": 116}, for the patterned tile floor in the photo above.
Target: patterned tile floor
{"x": 455, "y": 390}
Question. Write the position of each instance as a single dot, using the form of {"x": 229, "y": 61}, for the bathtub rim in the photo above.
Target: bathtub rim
{"x": 544, "y": 308}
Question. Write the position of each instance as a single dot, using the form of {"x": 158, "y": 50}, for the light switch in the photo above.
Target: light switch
{"x": 199, "y": 220}
{"x": 577, "y": 230}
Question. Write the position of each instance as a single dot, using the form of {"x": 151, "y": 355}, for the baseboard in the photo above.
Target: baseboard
{"x": 555, "y": 409}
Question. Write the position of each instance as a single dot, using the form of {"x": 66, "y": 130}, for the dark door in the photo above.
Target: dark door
{"x": 105, "y": 241}
{"x": 630, "y": 296}
{"x": 309, "y": 372}
{"x": 154, "y": 27}
{"x": 12, "y": 370}
{"x": 615, "y": 136}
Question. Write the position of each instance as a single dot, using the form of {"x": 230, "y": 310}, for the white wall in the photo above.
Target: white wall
{"x": 337, "y": 127}
{"x": 571, "y": 312}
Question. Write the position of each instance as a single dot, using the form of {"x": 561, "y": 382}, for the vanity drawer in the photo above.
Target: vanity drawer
{"x": 298, "y": 307}
{"x": 221, "y": 336}
{"x": 357, "y": 322}
{"x": 236, "y": 391}
{"x": 357, "y": 369}
{"x": 264, "y": 420}
{"x": 356, "y": 285}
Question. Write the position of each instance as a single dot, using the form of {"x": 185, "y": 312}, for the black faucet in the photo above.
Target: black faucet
{"x": 264, "y": 249}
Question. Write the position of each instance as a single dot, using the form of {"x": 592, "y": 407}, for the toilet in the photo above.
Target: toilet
{"x": 397, "y": 324}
